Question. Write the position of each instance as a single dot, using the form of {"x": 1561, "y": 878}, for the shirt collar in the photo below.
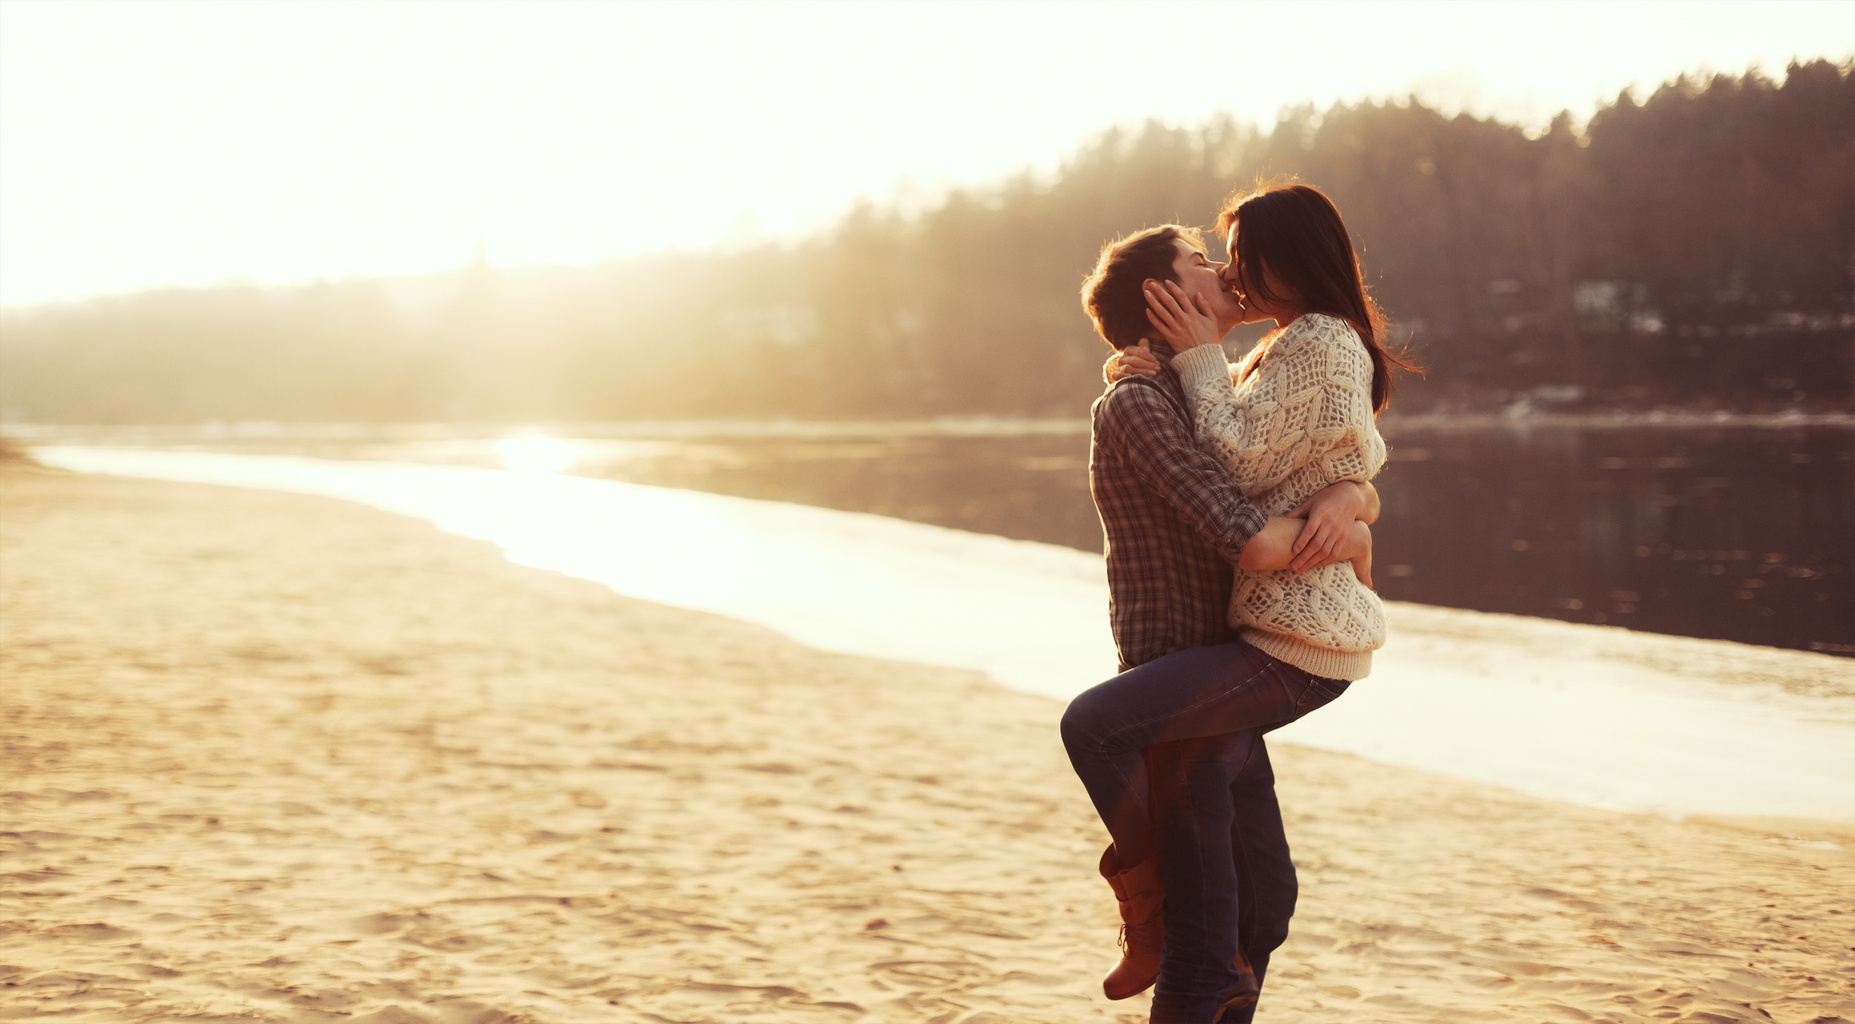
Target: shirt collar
{"x": 1163, "y": 351}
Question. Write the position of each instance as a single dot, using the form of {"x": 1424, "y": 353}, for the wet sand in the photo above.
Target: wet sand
{"x": 275, "y": 757}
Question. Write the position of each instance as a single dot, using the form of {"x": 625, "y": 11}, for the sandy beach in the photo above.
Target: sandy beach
{"x": 278, "y": 757}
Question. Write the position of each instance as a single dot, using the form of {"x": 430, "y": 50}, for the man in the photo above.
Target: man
{"x": 1176, "y": 527}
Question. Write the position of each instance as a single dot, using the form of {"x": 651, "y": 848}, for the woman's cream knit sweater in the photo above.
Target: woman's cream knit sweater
{"x": 1302, "y": 421}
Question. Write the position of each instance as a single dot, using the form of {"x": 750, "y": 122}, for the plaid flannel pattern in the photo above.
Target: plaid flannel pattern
{"x": 1174, "y": 520}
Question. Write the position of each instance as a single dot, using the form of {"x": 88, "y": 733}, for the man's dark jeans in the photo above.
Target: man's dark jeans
{"x": 1230, "y": 884}
{"x": 1171, "y": 753}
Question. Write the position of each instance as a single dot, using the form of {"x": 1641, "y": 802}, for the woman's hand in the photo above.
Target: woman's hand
{"x": 1130, "y": 361}
{"x": 1184, "y": 321}
{"x": 1330, "y": 515}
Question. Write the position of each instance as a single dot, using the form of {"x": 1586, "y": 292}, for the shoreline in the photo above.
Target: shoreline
{"x": 1568, "y": 702}
{"x": 292, "y": 758}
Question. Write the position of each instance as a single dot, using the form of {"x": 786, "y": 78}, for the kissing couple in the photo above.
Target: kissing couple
{"x": 1236, "y": 504}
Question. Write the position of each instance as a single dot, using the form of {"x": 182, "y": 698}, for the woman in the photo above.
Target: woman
{"x": 1302, "y": 420}
{"x": 1301, "y": 416}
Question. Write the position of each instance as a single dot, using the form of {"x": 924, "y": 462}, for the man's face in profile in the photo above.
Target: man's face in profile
{"x": 1202, "y": 276}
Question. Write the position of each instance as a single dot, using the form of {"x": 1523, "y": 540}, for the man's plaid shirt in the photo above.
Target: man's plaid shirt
{"x": 1174, "y": 520}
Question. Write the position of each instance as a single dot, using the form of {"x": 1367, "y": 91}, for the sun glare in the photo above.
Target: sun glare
{"x": 536, "y": 454}
{"x": 515, "y": 123}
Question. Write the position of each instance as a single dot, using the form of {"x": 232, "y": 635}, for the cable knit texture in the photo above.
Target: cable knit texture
{"x": 1302, "y": 421}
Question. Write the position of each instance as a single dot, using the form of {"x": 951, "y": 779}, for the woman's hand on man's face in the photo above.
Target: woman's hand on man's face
{"x": 1185, "y": 321}
{"x": 1131, "y": 361}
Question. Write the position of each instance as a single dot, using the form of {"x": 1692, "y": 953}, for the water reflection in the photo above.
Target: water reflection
{"x": 1729, "y": 533}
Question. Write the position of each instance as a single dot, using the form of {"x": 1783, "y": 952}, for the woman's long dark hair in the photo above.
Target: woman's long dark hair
{"x": 1296, "y": 232}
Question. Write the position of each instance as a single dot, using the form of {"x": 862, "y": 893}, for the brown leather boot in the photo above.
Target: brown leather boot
{"x": 1143, "y": 927}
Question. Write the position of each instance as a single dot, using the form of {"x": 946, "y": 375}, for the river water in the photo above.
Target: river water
{"x": 1741, "y": 532}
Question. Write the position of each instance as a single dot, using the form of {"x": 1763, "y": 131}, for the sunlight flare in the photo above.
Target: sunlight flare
{"x": 536, "y": 454}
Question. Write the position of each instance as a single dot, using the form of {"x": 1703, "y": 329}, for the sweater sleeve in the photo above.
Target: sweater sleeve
{"x": 1157, "y": 440}
{"x": 1310, "y": 400}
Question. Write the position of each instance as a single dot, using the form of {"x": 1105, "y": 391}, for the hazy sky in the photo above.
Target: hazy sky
{"x": 148, "y": 143}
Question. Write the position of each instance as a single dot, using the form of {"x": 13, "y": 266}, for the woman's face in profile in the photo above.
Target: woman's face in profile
{"x": 1255, "y": 307}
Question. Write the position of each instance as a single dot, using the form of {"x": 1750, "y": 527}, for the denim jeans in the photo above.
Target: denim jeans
{"x": 1230, "y": 884}
{"x": 1188, "y": 694}
{"x": 1172, "y": 754}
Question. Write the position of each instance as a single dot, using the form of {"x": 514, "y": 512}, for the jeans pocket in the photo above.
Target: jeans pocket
{"x": 1319, "y": 693}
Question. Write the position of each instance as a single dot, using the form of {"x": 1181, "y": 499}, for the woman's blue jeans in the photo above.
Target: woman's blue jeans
{"x": 1188, "y": 694}
{"x": 1172, "y": 755}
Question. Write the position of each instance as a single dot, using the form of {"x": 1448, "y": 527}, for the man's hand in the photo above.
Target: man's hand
{"x": 1362, "y": 552}
{"x": 1134, "y": 359}
{"x": 1330, "y": 514}
{"x": 1274, "y": 548}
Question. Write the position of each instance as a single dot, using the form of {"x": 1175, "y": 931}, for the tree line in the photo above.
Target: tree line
{"x": 1695, "y": 249}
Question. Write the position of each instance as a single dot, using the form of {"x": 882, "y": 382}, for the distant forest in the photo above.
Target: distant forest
{"x": 1693, "y": 250}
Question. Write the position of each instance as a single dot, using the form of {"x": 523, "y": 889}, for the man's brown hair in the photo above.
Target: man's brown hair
{"x": 1112, "y": 296}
